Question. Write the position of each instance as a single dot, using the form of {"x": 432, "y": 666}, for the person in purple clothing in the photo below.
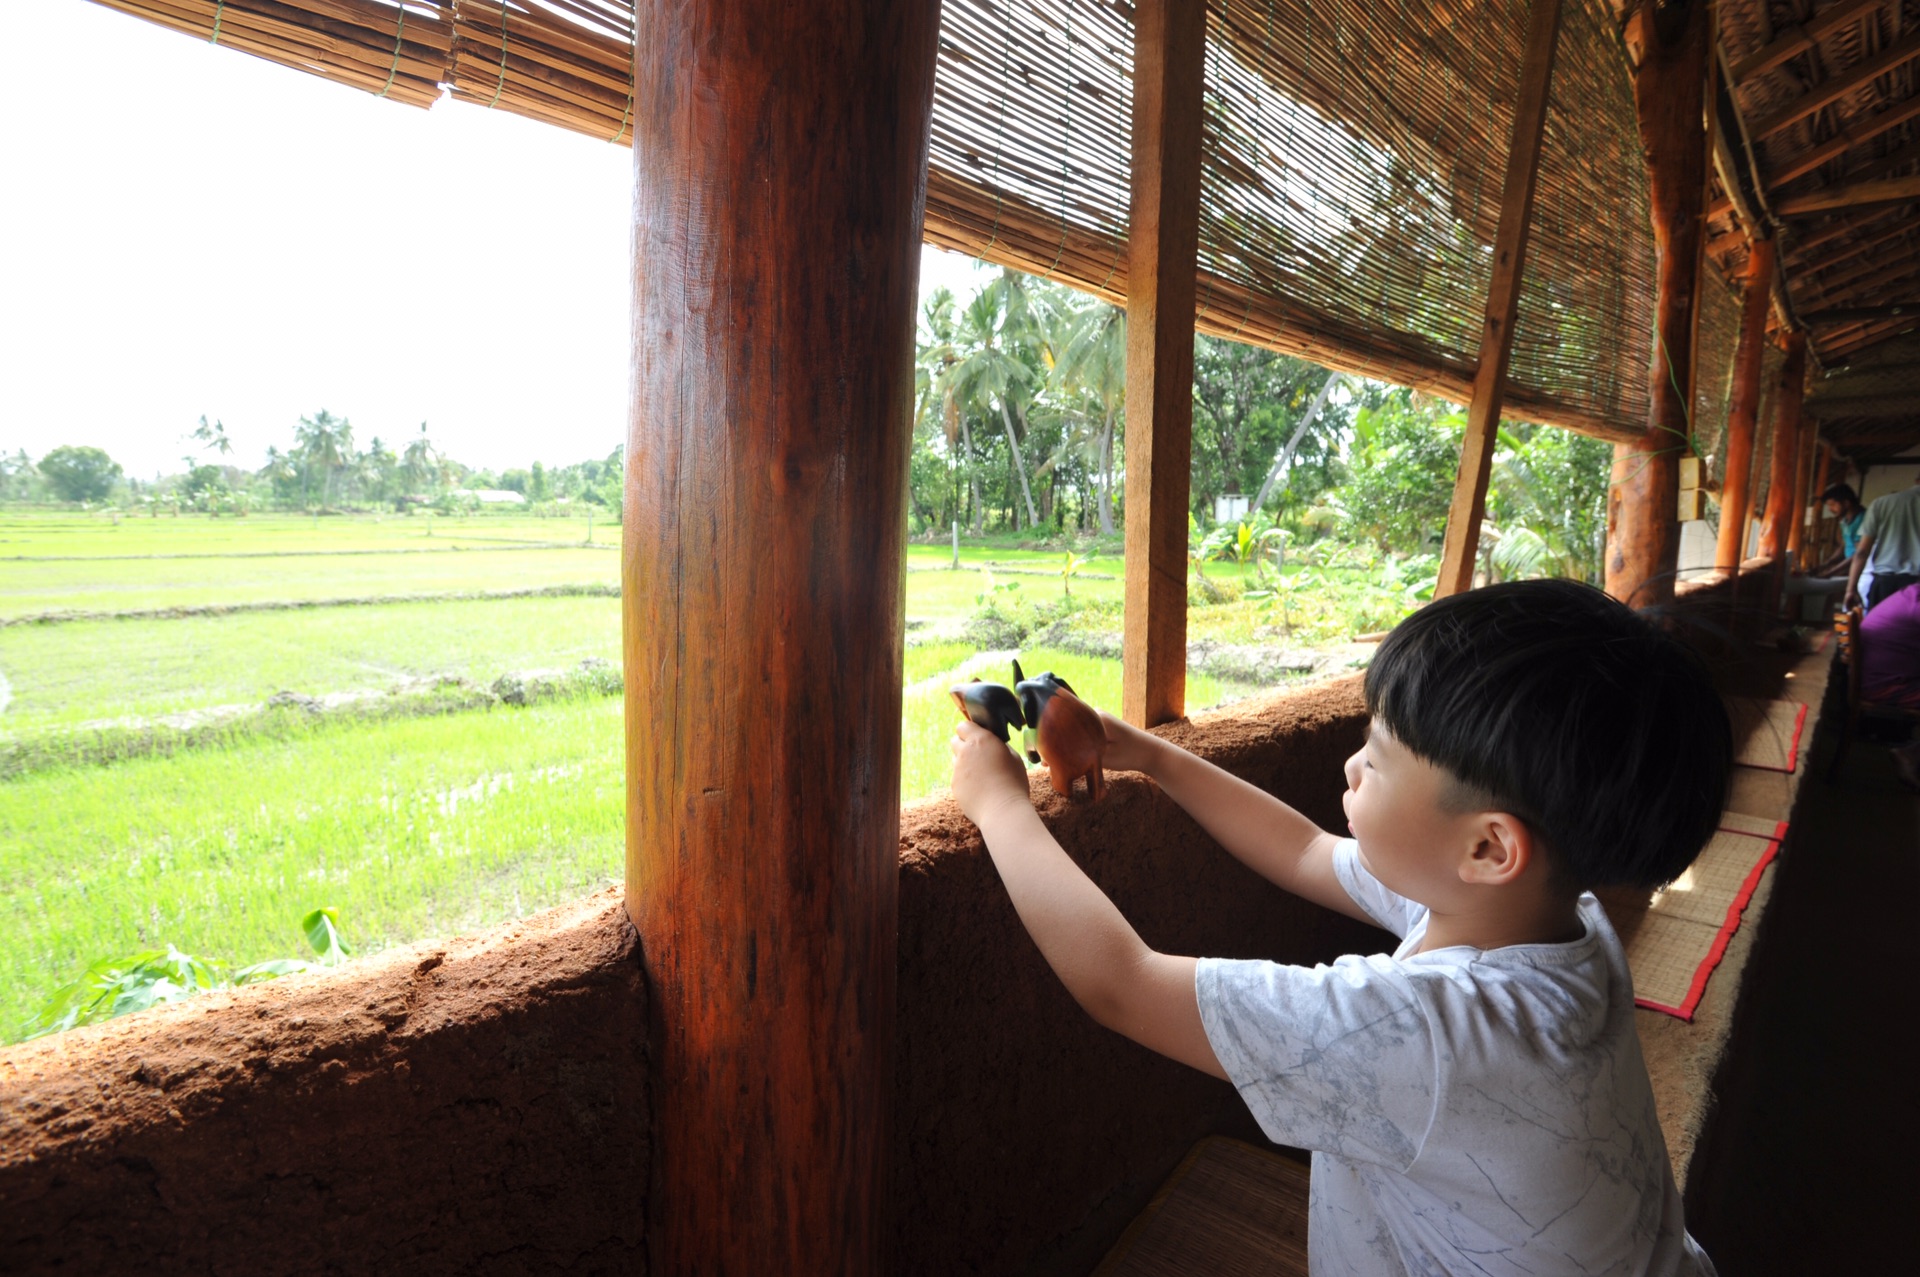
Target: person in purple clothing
{"x": 1890, "y": 665}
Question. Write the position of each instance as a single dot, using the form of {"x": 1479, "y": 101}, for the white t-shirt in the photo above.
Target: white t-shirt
{"x": 1472, "y": 1111}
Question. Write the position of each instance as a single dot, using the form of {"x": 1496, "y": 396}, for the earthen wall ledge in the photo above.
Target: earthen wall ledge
{"x": 481, "y": 1104}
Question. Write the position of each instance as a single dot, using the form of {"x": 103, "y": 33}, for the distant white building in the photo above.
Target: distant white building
{"x": 491, "y": 496}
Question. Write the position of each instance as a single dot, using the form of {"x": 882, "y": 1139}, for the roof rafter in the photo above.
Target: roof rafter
{"x": 1793, "y": 41}
{"x": 1879, "y": 191}
{"x": 1824, "y": 95}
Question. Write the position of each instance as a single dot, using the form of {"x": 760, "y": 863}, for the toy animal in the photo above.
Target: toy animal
{"x": 990, "y": 705}
{"x": 1063, "y": 732}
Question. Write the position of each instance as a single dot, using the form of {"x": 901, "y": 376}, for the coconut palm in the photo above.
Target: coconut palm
{"x": 1093, "y": 363}
{"x": 325, "y": 441}
{"x": 995, "y": 331}
{"x": 939, "y": 354}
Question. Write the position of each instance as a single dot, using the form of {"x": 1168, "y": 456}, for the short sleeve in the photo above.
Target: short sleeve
{"x": 1338, "y": 1059}
{"x": 1393, "y": 911}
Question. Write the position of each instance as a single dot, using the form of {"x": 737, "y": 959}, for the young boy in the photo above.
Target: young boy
{"x": 1476, "y": 1100}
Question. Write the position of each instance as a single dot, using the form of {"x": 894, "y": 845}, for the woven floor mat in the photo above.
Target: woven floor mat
{"x": 1229, "y": 1210}
{"x": 1676, "y": 937}
{"x": 1766, "y": 734}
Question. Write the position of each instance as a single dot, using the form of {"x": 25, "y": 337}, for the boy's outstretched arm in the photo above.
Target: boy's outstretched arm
{"x": 1263, "y": 833}
{"x": 1097, "y": 954}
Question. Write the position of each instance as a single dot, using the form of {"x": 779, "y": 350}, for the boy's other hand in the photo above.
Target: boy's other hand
{"x": 1128, "y": 748}
{"x": 986, "y": 775}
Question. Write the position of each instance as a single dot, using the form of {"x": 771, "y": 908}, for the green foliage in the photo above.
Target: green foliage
{"x": 1400, "y": 472}
{"x": 80, "y": 473}
{"x": 1547, "y": 504}
{"x": 153, "y": 977}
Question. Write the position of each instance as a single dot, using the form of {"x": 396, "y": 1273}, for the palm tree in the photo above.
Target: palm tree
{"x": 325, "y": 441}
{"x": 991, "y": 372}
{"x": 939, "y": 354}
{"x": 420, "y": 462}
{"x": 1093, "y": 362}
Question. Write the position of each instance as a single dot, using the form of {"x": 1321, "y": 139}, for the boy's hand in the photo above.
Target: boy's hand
{"x": 1128, "y": 748}
{"x": 986, "y": 775}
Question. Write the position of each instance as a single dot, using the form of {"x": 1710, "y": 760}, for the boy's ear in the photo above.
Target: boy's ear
{"x": 1503, "y": 848}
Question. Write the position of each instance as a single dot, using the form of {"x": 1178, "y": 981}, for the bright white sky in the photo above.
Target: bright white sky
{"x": 190, "y": 230}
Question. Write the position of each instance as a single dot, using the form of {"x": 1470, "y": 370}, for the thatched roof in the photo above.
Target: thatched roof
{"x": 1352, "y": 176}
{"x": 1824, "y": 115}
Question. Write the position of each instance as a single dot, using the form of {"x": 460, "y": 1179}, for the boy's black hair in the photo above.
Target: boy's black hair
{"x": 1841, "y": 492}
{"x": 1557, "y": 704}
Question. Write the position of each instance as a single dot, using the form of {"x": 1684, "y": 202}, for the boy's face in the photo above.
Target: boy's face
{"x": 1396, "y": 808}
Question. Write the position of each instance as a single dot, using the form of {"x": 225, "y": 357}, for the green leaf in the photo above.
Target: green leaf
{"x": 323, "y": 933}
{"x": 272, "y": 969}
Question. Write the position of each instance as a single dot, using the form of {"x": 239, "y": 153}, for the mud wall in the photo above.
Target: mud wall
{"x": 480, "y": 1106}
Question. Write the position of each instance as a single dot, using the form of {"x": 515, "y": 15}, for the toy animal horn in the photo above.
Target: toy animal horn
{"x": 990, "y": 705}
{"x": 1063, "y": 732}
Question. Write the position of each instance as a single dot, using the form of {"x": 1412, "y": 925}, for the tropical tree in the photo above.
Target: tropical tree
{"x": 80, "y": 473}
{"x": 1401, "y": 465}
{"x": 213, "y": 437}
{"x": 1093, "y": 364}
{"x": 938, "y": 356}
{"x": 996, "y": 340}
{"x": 324, "y": 442}
{"x": 419, "y": 463}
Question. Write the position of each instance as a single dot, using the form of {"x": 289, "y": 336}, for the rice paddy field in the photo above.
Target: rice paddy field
{"x": 460, "y": 815}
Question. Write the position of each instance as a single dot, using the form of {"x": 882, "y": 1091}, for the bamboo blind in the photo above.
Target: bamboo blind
{"x": 392, "y": 50}
{"x": 1716, "y": 342}
{"x": 1354, "y": 157}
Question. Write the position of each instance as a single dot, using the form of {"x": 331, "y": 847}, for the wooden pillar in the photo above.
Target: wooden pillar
{"x": 1736, "y": 476}
{"x": 1819, "y": 551}
{"x": 1669, "y": 44}
{"x": 1163, "y": 248}
{"x": 1781, "y": 510}
{"x": 1802, "y": 478}
{"x": 1503, "y": 302}
{"x": 780, "y": 158}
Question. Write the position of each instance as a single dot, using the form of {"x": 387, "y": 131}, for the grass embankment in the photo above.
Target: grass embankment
{"x": 412, "y": 828}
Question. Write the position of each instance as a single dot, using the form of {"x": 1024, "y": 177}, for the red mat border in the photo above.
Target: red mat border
{"x": 1793, "y": 748}
{"x": 1721, "y": 939}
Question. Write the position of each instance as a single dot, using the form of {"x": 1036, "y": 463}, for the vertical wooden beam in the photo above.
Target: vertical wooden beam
{"x": 780, "y": 158}
{"x": 1163, "y": 247}
{"x": 1819, "y": 551}
{"x": 1786, "y": 449}
{"x": 1736, "y": 476}
{"x": 1668, "y": 41}
{"x": 1802, "y": 476}
{"x": 1503, "y": 301}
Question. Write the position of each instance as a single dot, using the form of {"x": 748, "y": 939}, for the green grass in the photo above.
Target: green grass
{"x": 97, "y": 585}
{"x": 413, "y": 828}
{"x": 68, "y": 534}
{"x": 86, "y": 670}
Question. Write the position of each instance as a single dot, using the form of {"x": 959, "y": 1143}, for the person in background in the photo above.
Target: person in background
{"x": 1822, "y": 584}
{"x": 1843, "y": 504}
{"x": 1889, "y": 548}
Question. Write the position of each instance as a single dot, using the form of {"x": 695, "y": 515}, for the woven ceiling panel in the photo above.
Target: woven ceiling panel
{"x": 391, "y": 50}
{"x": 1354, "y": 152}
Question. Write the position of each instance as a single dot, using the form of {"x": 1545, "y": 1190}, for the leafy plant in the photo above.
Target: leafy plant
{"x": 153, "y": 977}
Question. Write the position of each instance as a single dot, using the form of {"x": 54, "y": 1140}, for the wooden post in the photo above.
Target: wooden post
{"x": 1669, "y": 44}
{"x": 780, "y": 159}
{"x": 1820, "y": 550}
{"x": 1163, "y": 247}
{"x": 1802, "y": 477}
{"x": 1503, "y": 302}
{"x": 1786, "y": 449}
{"x": 1736, "y": 476}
